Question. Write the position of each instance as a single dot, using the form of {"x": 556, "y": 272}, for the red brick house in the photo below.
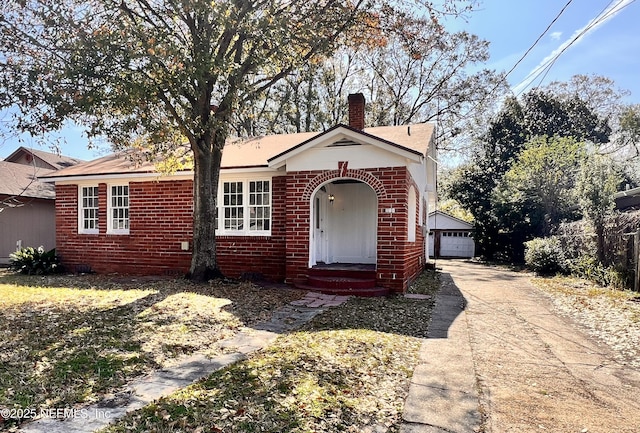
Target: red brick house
{"x": 287, "y": 205}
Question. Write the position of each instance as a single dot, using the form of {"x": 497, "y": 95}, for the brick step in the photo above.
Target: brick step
{"x": 340, "y": 282}
{"x": 364, "y": 292}
{"x": 347, "y": 273}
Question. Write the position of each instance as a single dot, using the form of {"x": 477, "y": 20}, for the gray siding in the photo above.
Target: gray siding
{"x": 34, "y": 224}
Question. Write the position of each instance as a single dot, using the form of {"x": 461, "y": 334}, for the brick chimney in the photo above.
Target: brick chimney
{"x": 356, "y": 110}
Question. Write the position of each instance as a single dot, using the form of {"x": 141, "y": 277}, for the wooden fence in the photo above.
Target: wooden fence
{"x": 621, "y": 244}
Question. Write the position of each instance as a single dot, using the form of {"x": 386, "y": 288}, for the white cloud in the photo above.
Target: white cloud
{"x": 575, "y": 39}
{"x": 556, "y": 36}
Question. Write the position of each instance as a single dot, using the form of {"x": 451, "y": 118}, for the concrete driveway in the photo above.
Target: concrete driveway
{"x": 535, "y": 370}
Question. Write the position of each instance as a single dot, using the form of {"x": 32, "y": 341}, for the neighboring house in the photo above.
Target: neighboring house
{"x": 27, "y": 207}
{"x": 628, "y": 200}
{"x": 287, "y": 205}
{"x": 450, "y": 236}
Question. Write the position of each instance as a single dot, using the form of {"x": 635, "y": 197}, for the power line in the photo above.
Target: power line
{"x": 546, "y": 67}
{"x": 539, "y": 38}
{"x": 605, "y": 13}
{"x": 492, "y": 91}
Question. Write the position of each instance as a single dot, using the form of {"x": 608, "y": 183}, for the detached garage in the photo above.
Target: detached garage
{"x": 450, "y": 236}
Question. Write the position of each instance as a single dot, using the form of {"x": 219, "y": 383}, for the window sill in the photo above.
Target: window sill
{"x": 243, "y": 234}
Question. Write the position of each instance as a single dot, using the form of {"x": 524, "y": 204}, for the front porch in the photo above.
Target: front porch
{"x": 352, "y": 279}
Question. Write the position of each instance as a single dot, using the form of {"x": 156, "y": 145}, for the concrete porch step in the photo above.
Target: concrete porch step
{"x": 342, "y": 272}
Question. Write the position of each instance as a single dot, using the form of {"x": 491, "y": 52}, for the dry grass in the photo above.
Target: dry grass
{"x": 69, "y": 339}
{"x": 347, "y": 370}
{"x": 611, "y": 315}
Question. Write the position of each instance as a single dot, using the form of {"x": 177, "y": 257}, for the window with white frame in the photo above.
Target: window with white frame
{"x": 118, "y": 209}
{"x": 232, "y": 201}
{"x": 259, "y": 205}
{"x": 246, "y": 207}
{"x": 88, "y": 209}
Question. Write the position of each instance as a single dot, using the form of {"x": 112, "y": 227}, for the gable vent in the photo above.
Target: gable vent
{"x": 344, "y": 142}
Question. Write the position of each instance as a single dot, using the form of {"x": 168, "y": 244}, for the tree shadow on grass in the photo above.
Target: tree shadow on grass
{"x": 323, "y": 381}
{"x": 63, "y": 347}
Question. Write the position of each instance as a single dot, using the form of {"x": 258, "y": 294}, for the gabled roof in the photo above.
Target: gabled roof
{"x": 22, "y": 180}
{"x": 49, "y": 160}
{"x": 444, "y": 221}
{"x": 412, "y": 145}
{"x": 263, "y": 151}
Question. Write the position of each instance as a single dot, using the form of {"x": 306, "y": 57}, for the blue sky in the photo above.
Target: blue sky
{"x": 610, "y": 48}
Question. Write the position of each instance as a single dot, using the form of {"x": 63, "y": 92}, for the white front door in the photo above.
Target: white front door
{"x": 320, "y": 234}
{"x": 353, "y": 223}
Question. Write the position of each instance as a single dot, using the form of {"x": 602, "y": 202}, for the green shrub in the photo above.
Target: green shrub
{"x": 588, "y": 267}
{"x": 35, "y": 261}
{"x": 544, "y": 256}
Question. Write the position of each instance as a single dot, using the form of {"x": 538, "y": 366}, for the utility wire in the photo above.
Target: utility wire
{"x": 544, "y": 69}
{"x": 539, "y": 37}
{"x": 604, "y": 13}
{"x": 492, "y": 91}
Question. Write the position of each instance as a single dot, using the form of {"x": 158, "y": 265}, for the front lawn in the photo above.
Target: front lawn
{"x": 347, "y": 370}
{"x": 67, "y": 340}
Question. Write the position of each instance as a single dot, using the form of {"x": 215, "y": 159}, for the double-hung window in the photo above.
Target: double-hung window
{"x": 232, "y": 199}
{"x": 88, "y": 209}
{"x": 246, "y": 207}
{"x": 118, "y": 210}
{"x": 259, "y": 205}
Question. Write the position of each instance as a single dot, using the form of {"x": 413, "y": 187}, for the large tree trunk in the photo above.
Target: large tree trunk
{"x": 206, "y": 160}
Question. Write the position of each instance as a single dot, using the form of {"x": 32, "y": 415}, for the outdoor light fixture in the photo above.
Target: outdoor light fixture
{"x": 332, "y": 198}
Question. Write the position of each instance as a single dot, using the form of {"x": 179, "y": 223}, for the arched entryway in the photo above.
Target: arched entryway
{"x": 344, "y": 218}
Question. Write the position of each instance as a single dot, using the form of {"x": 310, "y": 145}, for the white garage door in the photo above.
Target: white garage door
{"x": 456, "y": 244}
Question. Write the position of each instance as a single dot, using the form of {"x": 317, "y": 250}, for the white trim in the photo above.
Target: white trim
{"x": 110, "y": 229}
{"x": 81, "y": 229}
{"x": 251, "y": 170}
{"x": 412, "y": 202}
{"x": 629, "y": 192}
{"x": 140, "y": 177}
{"x": 342, "y": 133}
{"x": 62, "y": 180}
{"x": 220, "y": 231}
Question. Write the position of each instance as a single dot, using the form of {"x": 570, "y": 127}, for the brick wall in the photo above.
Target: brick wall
{"x": 415, "y": 251}
{"x": 160, "y": 219}
{"x": 161, "y": 216}
{"x": 397, "y": 259}
{"x": 392, "y": 229}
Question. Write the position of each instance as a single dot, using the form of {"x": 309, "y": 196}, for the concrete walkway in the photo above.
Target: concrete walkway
{"x": 535, "y": 370}
{"x": 442, "y": 396}
{"x": 160, "y": 383}
{"x": 497, "y": 359}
